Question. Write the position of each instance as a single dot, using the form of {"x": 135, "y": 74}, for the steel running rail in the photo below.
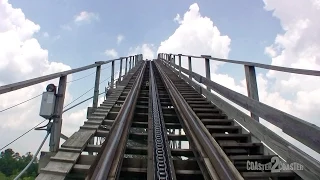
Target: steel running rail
{"x": 223, "y": 170}
{"x": 103, "y": 165}
{"x": 163, "y": 167}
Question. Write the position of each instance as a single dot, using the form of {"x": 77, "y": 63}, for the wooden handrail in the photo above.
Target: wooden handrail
{"x": 30, "y": 82}
{"x": 282, "y": 147}
{"x": 259, "y": 65}
{"x": 307, "y": 133}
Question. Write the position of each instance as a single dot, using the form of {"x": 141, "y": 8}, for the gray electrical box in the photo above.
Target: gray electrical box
{"x": 47, "y": 104}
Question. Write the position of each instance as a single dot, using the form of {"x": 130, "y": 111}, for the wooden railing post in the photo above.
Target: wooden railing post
{"x": 126, "y": 66}
{"x": 96, "y": 88}
{"x": 130, "y": 62}
{"x": 112, "y": 74}
{"x": 207, "y": 68}
{"x": 179, "y": 65}
{"x": 190, "y": 66}
{"x": 120, "y": 72}
{"x": 252, "y": 87}
{"x": 57, "y": 120}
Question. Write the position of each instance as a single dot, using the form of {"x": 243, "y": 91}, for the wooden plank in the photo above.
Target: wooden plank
{"x": 81, "y": 168}
{"x": 305, "y": 132}
{"x": 70, "y": 157}
{"x": 48, "y": 176}
{"x": 95, "y": 122}
{"x": 86, "y": 159}
{"x": 265, "y": 66}
{"x": 90, "y": 126}
{"x": 101, "y": 133}
{"x": 282, "y": 147}
{"x": 78, "y": 140}
{"x": 70, "y": 150}
{"x": 201, "y": 133}
{"x": 60, "y": 168}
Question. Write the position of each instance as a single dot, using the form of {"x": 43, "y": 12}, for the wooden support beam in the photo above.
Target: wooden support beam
{"x": 120, "y": 72}
{"x": 252, "y": 87}
{"x": 179, "y": 64}
{"x": 57, "y": 121}
{"x": 189, "y": 65}
{"x": 303, "y": 131}
{"x": 112, "y": 74}
{"x": 207, "y": 68}
{"x": 64, "y": 137}
{"x": 96, "y": 88}
{"x": 283, "y": 148}
{"x": 126, "y": 66}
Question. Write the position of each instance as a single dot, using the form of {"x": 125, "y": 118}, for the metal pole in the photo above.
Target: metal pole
{"x": 112, "y": 74}
{"x": 120, "y": 72}
{"x": 57, "y": 120}
{"x": 190, "y": 66}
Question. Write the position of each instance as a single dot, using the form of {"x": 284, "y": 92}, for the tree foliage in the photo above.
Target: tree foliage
{"x": 12, "y": 163}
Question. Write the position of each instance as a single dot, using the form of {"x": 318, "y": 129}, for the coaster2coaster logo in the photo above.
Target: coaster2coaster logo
{"x": 275, "y": 165}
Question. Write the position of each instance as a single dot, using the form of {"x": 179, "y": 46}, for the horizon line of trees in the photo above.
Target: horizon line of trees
{"x": 12, "y": 163}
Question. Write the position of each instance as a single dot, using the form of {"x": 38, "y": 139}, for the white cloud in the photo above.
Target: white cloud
{"x": 177, "y": 18}
{"x": 85, "y": 16}
{"x": 66, "y": 27}
{"x": 120, "y": 38}
{"x": 22, "y": 58}
{"x": 111, "y": 53}
{"x": 148, "y": 51}
{"x": 45, "y": 34}
{"x": 196, "y": 35}
{"x": 298, "y": 47}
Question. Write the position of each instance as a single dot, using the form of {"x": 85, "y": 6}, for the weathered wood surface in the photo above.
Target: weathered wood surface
{"x": 78, "y": 140}
{"x": 265, "y": 66}
{"x": 200, "y": 131}
{"x": 305, "y": 132}
{"x": 55, "y": 167}
{"x": 66, "y": 157}
{"x": 46, "y": 176}
{"x": 30, "y": 82}
{"x": 252, "y": 87}
{"x": 282, "y": 147}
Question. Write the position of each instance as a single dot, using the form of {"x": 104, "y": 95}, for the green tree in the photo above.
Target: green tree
{"x": 12, "y": 163}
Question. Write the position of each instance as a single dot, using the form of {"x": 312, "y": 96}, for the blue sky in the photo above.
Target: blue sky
{"x": 249, "y": 26}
